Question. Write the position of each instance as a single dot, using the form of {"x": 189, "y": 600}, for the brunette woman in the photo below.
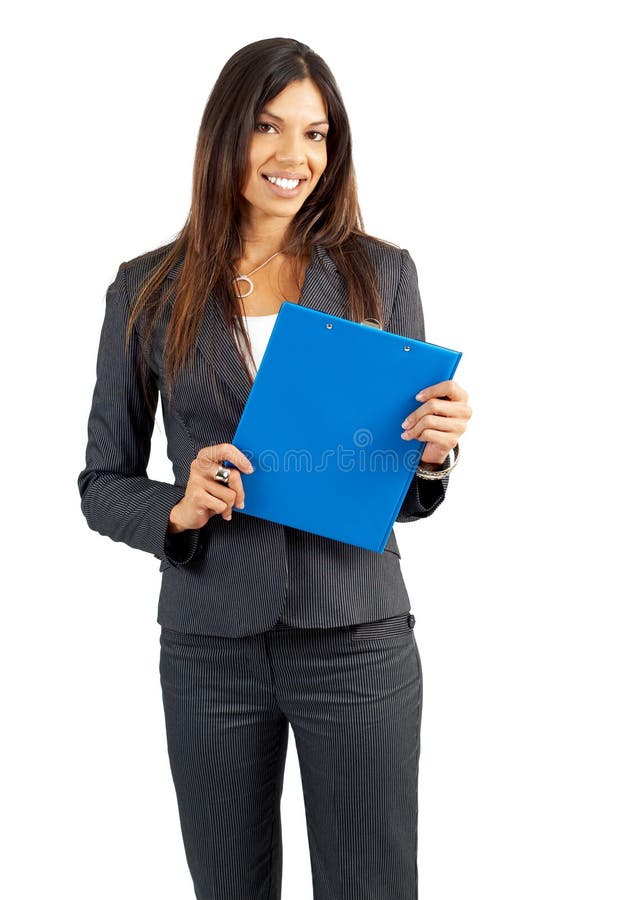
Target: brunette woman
{"x": 264, "y": 626}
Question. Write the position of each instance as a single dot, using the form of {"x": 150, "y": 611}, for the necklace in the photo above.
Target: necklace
{"x": 248, "y": 278}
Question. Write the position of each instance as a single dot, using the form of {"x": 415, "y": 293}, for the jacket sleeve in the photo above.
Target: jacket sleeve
{"x": 117, "y": 498}
{"x": 423, "y": 497}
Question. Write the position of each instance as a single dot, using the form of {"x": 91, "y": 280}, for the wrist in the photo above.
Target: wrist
{"x": 174, "y": 526}
{"x": 432, "y": 467}
{"x": 433, "y": 471}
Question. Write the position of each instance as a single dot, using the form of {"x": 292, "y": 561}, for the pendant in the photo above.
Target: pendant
{"x": 245, "y": 278}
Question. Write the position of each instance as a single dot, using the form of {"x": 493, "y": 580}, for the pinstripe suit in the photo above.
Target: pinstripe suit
{"x": 239, "y": 577}
{"x": 324, "y": 637}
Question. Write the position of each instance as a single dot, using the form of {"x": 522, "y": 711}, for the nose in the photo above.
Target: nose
{"x": 290, "y": 150}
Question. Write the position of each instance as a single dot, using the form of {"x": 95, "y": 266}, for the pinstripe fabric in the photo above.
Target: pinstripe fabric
{"x": 353, "y": 696}
{"x": 240, "y": 577}
{"x": 265, "y": 626}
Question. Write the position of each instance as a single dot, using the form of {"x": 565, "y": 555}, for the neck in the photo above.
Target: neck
{"x": 262, "y": 236}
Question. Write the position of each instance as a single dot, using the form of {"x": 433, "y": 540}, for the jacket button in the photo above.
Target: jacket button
{"x": 411, "y": 621}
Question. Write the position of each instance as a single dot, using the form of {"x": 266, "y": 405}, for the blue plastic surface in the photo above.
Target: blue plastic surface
{"x": 322, "y": 425}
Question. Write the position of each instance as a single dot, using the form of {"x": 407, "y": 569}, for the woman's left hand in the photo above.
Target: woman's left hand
{"x": 440, "y": 420}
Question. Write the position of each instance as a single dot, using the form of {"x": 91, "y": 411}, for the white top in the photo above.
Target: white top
{"x": 259, "y": 329}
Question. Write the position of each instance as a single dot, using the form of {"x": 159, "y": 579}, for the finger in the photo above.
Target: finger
{"x": 224, "y": 509}
{"x": 218, "y": 505}
{"x": 442, "y": 408}
{"x": 436, "y": 425}
{"x": 228, "y": 493}
{"x": 219, "y": 452}
{"x": 221, "y": 499}
{"x": 450, "y": 389}
{"x": 202, "y": 476}
{"x": 208, "y": 466}
{"x": 232, "y": 494}
{"x": 201, "y": 499}
{"x": 234, "y": 483}
{"x": 445, "y": 440}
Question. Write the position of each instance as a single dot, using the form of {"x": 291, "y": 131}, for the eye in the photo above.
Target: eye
{"x": 261, "y": 125}
{"x": 321, "y": 136}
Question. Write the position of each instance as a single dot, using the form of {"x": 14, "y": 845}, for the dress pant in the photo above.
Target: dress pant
{"x": 353, "y": 697}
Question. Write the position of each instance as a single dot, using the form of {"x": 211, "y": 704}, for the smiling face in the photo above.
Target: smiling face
{"x": 287, "y": 154}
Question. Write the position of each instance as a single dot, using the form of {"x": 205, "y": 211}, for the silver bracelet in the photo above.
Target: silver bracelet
{"x": 440, "y": 473}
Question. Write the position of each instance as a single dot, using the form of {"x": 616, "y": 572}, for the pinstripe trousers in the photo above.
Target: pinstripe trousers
{"x": 353, "y": 697}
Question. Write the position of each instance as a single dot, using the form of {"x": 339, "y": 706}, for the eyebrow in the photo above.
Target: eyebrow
{"x": 267, "y": 112}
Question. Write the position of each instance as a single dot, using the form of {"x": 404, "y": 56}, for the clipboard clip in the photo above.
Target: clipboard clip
{"x": 374, "y": 323}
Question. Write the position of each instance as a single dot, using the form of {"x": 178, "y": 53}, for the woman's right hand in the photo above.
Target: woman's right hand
{"x": 204, "y": 496}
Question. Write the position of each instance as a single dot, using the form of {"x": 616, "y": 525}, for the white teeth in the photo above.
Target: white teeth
{"x": 288, "y": 184}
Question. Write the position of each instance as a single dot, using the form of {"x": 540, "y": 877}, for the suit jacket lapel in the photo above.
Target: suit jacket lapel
{"x": 323, "y": 289}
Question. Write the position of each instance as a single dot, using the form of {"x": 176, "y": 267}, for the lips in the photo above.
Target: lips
{"x": 285, "y": 175}
{"x": 283, "y": 192}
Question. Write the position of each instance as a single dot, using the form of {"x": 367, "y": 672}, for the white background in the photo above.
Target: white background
{"x": 490, "y": 141}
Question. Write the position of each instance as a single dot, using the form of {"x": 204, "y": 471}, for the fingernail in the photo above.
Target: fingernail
{"x": 228, "y": 518}
{"x": 420, "y": 396}
{"x": 405, "y": 436}
{"x": 240, "y": 506}
{"x": 405, "y": 424}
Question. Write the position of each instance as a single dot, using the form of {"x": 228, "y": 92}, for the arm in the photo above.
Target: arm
{"x": 423, "y": 497}
{"x": 117, "y": 498}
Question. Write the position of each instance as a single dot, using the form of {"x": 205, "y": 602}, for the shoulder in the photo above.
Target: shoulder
{"x": 379, "y": 249}
{"x": 139, "y": 268}
{"x": 388, "y": 259}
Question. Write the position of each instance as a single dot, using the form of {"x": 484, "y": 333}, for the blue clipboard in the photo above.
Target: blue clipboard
{"x": 322, "y": 425}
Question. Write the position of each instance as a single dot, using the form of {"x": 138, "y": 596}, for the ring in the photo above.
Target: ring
{"x": 222, "y": 475}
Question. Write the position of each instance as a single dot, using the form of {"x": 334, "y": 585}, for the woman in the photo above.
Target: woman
{"x": 263, "y": 625}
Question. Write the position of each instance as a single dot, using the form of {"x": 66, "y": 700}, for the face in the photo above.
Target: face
{"x": 287, "y": 153}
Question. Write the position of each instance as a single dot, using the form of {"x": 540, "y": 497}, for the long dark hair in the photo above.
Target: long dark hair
{"x": 210, "y": 241}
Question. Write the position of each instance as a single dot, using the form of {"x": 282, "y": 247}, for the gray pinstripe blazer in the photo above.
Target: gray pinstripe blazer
{"x": 239, "y": 577}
